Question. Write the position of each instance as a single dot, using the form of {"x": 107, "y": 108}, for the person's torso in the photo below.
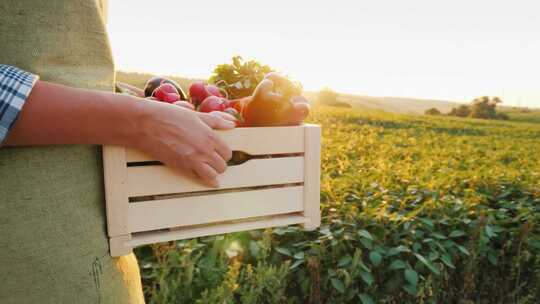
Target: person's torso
{"x": 53, "y": 239}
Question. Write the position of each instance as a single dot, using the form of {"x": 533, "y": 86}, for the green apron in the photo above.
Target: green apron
{"x": 53, "y": 242}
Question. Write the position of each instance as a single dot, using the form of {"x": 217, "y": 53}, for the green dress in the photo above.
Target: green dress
{"x": 53, "y": 242}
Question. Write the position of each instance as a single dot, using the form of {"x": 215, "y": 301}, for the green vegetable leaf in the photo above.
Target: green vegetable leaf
{"x": 492, "y": 258}
{"x": 284, "y": 251}
{"x": 463, "y": 249}
{"x": 338, "y": 285}
{"x": 427, "y": 222}
{"x": 296, "y": 264}
{"x": 366, "y": 299}
{"x": 457, "y": 233}
{"x": 254, "y": 248}
{"x": 489, "y": 231}
{"x": 427, "y": 263}
{"x": 344, "y": 261}
{"x": 363, "y": 266}
{"x": 438, "y": 236}
{"x": 396, "y": 250}
{"x": 447, "y": 260}
{"x": 279, "y": 231}
{"x": 367, "y": 277}
{"x": 299, "y": 255}
{"x": 364, "y": 233}
{"x": 368, "y": 244}
{"x": 238, "y": 85}
{"x": 375, "y": 258}
{"x": 410, "y": 289}
{"x": 411, "y": 276}
{"x": 397, "y": 264}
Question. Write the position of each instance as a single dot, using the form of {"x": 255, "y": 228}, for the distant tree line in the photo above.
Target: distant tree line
{"x": 484, "y": 107}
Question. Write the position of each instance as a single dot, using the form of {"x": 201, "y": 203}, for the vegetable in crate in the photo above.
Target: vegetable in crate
{"x": 213, "y": 90}
{"x": 153, "y": 83}
{"x": 213, "y": 103}
{"x": 198, "y": 92}
{"x": 275, "y": 102}
{"x": 166, "y": 92}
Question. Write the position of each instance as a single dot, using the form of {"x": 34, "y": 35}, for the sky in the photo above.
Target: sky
{"x": 451, "y": 50}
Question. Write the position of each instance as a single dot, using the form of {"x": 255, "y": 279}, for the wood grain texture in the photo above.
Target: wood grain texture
{"x": 115, "y": 177}
{"x": 206, "y": 209}
{"x": 155, "y": 180}
{"x": 119, "y": 245}
{"x": 144, "y": 238}
{"x": 312, "y": 182}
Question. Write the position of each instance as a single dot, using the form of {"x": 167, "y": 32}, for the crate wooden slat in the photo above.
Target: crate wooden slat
{"x": 141, "y": 180}
{"x": 262, "y": 192}
{"x": 144, "y": 238}
{"x": 194, "y": 210}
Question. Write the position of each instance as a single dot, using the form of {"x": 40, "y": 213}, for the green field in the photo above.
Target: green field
{"x": 416, "y": 209}
{"x": 531, "y": 117}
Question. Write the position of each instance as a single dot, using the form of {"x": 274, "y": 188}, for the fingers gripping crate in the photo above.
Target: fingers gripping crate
{"x": 150, "y": 203}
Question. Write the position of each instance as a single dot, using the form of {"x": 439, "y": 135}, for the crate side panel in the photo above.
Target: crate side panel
{"x": 312, "y": 183}
{"x": 155, "y": 180}
{"x": 195, "y": 210}
{"x": 115, "y": 175}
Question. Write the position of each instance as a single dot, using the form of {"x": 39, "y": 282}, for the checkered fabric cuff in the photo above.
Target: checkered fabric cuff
{"x": 15, "y": 86}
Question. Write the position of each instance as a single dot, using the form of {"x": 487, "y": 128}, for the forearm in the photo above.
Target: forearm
{"x": 55, "y": 114}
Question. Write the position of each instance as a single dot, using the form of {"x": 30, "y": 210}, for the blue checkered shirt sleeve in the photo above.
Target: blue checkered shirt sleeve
{"x": 15, "y": 86}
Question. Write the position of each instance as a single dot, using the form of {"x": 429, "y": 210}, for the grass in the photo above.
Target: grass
{"x": 531, "y": 117}
{"x": 416, "y": 209}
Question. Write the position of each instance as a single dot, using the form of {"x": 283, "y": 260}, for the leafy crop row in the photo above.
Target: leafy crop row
{"x": 415, "y": 210}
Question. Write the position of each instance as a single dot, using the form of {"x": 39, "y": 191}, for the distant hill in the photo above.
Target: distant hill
{"x": 393, "y": 104}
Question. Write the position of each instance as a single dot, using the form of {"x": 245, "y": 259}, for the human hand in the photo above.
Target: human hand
{"x": 185, "y": 104}
{"x": 183, "y": 139}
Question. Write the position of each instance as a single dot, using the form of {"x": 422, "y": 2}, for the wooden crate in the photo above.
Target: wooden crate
{"x": 150, "y": 203}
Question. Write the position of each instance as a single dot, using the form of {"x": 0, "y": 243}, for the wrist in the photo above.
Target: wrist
{"x": 127, "y": 116}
